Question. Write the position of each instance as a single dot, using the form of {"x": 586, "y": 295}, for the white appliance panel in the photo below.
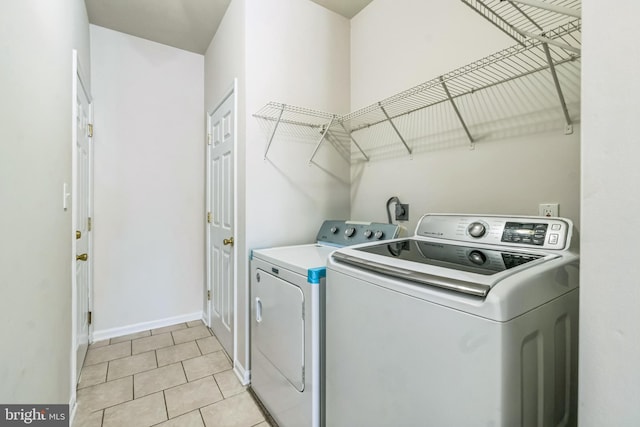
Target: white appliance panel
{"x": 279, "y": 327}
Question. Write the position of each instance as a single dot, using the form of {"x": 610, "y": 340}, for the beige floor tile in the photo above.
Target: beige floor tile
{"x": 88, "y": 419}
{"x": 106, "y": 394}
{"x": 263, "y": 424}
{"x": 192, "y": 419}
{"x": 130, "y": 337}
{"x": 208, "y": 364}
{"x": 99, "y": 344}
{"x": 93, "y": 374}
{"x": 195, "y": 323}
{"x": 177, "y": 353}
{"x": 106, "y": 353}
{"x": 187, "y": 397}
{"x": 142, "y": 412}
{"x": 153, "y": 342}
{"x": 190, "y": 334}
{"x": 228, "y": 383}
{"x": 131, "y": 365}
{"x": 237, "y": 411}
{"x": 170, "y": 328}
{"x": 209, "y": 345}
{"x": 158, "y": 379}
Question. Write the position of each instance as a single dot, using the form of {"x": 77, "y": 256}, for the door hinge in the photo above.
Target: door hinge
{"x": 89, "y": 317}
{"x": 209, "y": 217}
{"x": 89, "y": 224}
{"x": 208, "y": 139}
{"x": 208, "y": 295}
{"x": 90, "y": 130}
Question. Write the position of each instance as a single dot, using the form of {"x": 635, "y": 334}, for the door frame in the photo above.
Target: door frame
{"x": 78, "y": 75}
{"x": 231, "y": 92}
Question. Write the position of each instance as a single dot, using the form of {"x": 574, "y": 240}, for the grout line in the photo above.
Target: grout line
{"x": 102, "y": 418}
{"x": 202, "y": 417}
{"x": 166, "y": 407}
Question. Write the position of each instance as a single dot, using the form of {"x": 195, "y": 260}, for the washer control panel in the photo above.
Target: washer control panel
{"x": 344, "y": 233}
{"x": 521, "y": 231}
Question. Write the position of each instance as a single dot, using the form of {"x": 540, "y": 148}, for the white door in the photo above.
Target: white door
{"x": 80, "y": 193}
{"x": 220, "y": 221}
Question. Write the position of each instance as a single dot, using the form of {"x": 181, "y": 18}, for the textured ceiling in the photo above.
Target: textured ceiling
{"x": 185, "y": 24}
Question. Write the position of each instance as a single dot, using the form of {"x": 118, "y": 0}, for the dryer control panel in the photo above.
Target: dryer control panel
{"x": 346, "y": 233}
{"x": 520, "y": 231}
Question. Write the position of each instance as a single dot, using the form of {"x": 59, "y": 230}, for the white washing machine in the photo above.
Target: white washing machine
{"x": 287, "y": 293}
{"x": 471, "y": 322}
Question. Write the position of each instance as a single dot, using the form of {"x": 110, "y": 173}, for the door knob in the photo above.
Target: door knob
{"x": 82, "y": 257}
{"x": 228, "y": 241}
{"x": 78, "y": 234}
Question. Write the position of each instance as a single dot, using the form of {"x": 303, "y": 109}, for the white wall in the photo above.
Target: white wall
{"x": 149, "y": 181}
{"x": 609, "y": 284}
{"x": 517, "y": 162}
{"x": 293, "y": 52}
{"x": 36, "y": 40}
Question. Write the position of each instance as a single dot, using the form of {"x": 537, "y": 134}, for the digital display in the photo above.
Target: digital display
{"x": 527, "y": 233}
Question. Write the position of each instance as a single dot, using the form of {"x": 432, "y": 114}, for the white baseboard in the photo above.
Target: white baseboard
{"x": 243, "y": 375}
{"x": 144, "y": 326}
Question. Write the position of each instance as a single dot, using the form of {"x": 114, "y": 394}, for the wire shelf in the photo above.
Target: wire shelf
{"x": 547, "y": 50}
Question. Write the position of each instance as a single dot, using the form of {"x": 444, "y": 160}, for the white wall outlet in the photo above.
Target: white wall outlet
{"x": 548, "y": 209}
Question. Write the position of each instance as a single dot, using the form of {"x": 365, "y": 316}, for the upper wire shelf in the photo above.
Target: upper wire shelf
{"x": 540, "y": 47}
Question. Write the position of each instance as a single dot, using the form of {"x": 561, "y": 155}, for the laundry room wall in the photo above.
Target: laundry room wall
{"x": 36, "y": 41}
{"x": 520, "y": 159}
{"x": 149, "y": 185}
{"x": 609, "y": 269}
{"x": 296, "y": 52}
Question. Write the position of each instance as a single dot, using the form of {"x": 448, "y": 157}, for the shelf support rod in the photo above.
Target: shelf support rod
{"x": 275, "y": 128}
{"x": 324, "y": 134}
{"x": 354, "y": 141}
{"x": 455, "y": 108}
{"x": 547, "y": 40}
{"x": 394, "y": 128}
{"x": 550, "y": 7}
{"x": 569, "y": 126}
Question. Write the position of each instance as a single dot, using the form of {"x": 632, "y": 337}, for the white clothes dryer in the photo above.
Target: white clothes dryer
{"x": 287, "y": 333}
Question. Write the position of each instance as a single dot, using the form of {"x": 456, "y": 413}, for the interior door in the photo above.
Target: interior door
{"x": 81, "y": 187}
{"x": 220, "y": 221}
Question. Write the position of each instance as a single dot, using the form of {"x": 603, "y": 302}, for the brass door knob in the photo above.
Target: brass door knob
{"x": 82, "y": 257}
{"x": 228, "y": 241}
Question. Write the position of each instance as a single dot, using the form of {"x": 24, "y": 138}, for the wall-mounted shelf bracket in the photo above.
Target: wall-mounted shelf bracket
{"x": 568, "y": 129}
{"x": 354, "y": 141}
{"x": 324, "y": 134}
{"x": 394, "y": 128}
{"x": 273, "y": 133}
{"x": 455, "y": 108}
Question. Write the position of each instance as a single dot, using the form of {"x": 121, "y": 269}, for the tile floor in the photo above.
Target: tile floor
{"x": 177, "y": 376}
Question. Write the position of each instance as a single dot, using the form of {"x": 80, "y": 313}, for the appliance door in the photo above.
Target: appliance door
{"x": 459, "y": 268}
{"x": 279, "y": 326}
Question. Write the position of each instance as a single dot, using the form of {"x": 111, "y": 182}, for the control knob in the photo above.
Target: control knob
{"x": 378, "y": 234}
{"x": 368, "y": 233}
{"x": 349, "y": 231}
{"x": 477, "y": 257}
{"x": 477, "y": 229}
{"x": 334, "y": 230}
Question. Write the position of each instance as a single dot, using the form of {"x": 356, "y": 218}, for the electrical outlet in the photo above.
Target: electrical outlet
{"x": 402, "y": 212}
{"x": 548, "y": 209}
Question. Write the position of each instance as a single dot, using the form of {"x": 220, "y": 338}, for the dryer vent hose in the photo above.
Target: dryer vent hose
{"x": 391, "y": 200}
